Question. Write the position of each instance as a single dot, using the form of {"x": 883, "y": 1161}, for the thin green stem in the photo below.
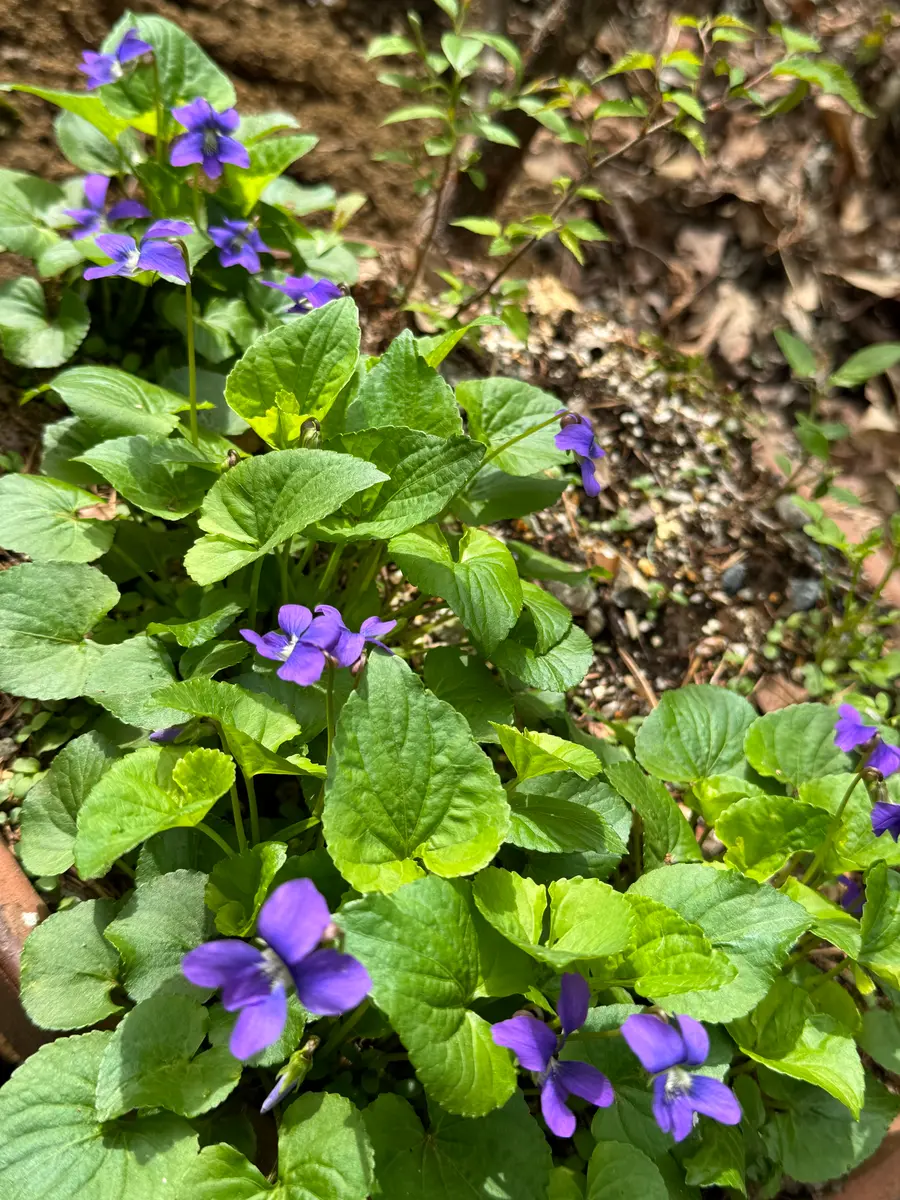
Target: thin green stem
{"x": 511, "y": 442}
{"x": 254, "y": 590}
{"x": 329, "y": 706}
{"x": 150, "y": 582}
{"x": 290, "y": 831}
{"x": 123, "y": 866}
{"x": 308, "y": 551}
{"x": 331, "y": 569}
{"x": 339, "y": 1034}
{"x": 366, "y": 570}
{"x": 197, "y": 193}
{"x": 254, "y": 810}
{"x": 821, "y": 855}
{"x": 211, "y": 833}
{"x": 284, "y": 566}
{"x": 238, "y": 818}
{"x": 160, "y": 115}
{"x": 192, "y": 361}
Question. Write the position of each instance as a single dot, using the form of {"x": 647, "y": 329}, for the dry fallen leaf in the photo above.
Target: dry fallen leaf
{"x": 730, "y": 324}
{"x": 777, "y": 691}
{"x": 103, "y": 510}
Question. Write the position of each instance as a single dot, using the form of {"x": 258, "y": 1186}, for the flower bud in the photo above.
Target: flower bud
{"x": 310, "y": 434}
{"x": 569, "y": 419}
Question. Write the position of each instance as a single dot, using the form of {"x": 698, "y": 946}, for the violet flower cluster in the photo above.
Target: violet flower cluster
{"x": 239, "y": 244}
{"x": 851, "y": 733}
{"x": 305, "y": 293}
{"x": 577, "y": 434}
{"x": 671, "y": 1055}
{"x": 207, "y": 142}
{"x": 255, "y": 982}
{"x": 152, "y": 253}
{"x": 304, "y": 643}
{"x": 90, "y": 220}
{"x": 107, "y": 68}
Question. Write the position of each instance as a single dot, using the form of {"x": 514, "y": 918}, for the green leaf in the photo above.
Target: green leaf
{"x": 814, "y": 1136}
{"x": 256, "y": 714}
{"x": 207, "y": 660}
{"x": 786, "y": 1034}
{"x": 586, "y": 231}
{"x": 535, "y": 564}
{"x": 880, "y": 1038}
{"x": 125, "y": 676}
{"x": 562, "y": 667}
{"x": 550, "y": 618}
{"x": 823, "y": 73}
{"x": 323, "y": 1154}
{"x": 866, "y": 364}
{"x": 116, "y": 404}
{"x": 501, "y": 409}
{"x": 151, "y": 1061}
{"x": 50, "y": 809}
{"x": 721, "y": 1159}
{"x": 762, "y": 832}
{"x": 634, "y": 60}
{"x": 86, "y": 105}
{"x": 687, "y": 103}
{"x": 620, "y": 108}
{"x": 420, "y": 948}
{"x": 31, "y": 336}
{"x": 267, "y": 499}
{"x": 268, "y": 159}
{"x": 483, "y": 225}
{"x": 479, "y": 581}
{"x": 185, "y": 71}
{"x": 460, "y": 52}
{"x": 695, "y": 732}
{"x": 46, "y": 611}
{"x": 800, "y": 357}
{"x": 533, "y": 754}
{"x": 143, "y": 794}
{"x": 880, "y": 925}
{"x": 828, "y": 921}
{"x": 217, "y": 612}
{"x": 855, "y": 845}
{"x": 381, "y": 46}
{"x": 580, "y": 827}
{"x": 39, "y": 517}
{"x": 465, "y": 682}
{"x": 406, "y": 782}
{"x": 426, "y": 472}
{"x": 160, "y": 922}
{"x": 755, "y": 926}
{"x": 221, "y": 1027}
{"x": 435, "y": 348}
{"x": 795, "y": 744}
{"x": 91, "y": 151}
{"x": 495, "y": 496}
{"x": 796, "y": 41}
{"x": 403, "y": 390}
{"x": 27, "y": 204}
{"x": 415, "y": 112}
{"x": 238, "y": 886}
{"x": 503, "y": 1155}
{"x": 618, "y": 1171}
{"x": 588, "y": 919}
{"x": 168, "y": 479}
{"x": 54, "y": 1143}
{"x": 69, "y": 969}
{"x": 667, "y": 957}
{"x": 667, "y": 837}
{"x": 295, "y": 371}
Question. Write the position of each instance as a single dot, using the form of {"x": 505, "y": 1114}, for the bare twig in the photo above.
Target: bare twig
{"x": 639, "y": 677}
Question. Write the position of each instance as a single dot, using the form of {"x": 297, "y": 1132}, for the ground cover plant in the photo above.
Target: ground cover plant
{"x": 363, "y": 916}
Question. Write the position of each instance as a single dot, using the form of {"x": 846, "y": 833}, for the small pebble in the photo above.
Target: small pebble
{"x": 733, "y": 578}
{"x": 803, "y": 594}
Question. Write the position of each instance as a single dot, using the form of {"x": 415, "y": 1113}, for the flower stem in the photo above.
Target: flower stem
{"x": 254, "y": 811}
{"x": 329, "y": 707}
{"x": 192, "y": 362}
{"x": 254, "y": 591}
{"x": 284, "y": 563}
{"x": 290, "y": 831}
{"x": 821, "y": 855}
{"x": 160, "y": 114}
{"x": 339, "y": 1033}
{"x": 498, "y": 450}
{"x": 211, "y": 833}
{"x": 196, "y": 193}
{"x": 142, "y": 574}
{"x": 238, "y": 819}
{"x": 331, "y": 568}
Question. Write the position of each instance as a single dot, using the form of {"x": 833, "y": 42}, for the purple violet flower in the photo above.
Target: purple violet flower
{"x": 151, "y": 254}
{"x": 107, "y": 68}
{"x": 577, "y": 434}
{"x": 206, "y": 141}
{"x": 164, "y": 736}
{"x": 90, "y": 219}
{"x": 292, "y": 923}
{"x": 306, "y": 642}
{"x": 537, "y": 1048}
{"x": 305, "y": 292}
{"x": 849, "y": 731}
{"x": 886, "y": 819}
{"x": 852, "y": 897}
{"x": 885, "y": 759}
{"x": 239, "y": 244}
{"x": 678, "y": 1094}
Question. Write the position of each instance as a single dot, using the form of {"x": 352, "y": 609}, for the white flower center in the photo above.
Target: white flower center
{"x": 274, "y": 969}
{"x": 678, "y": 1082}
{"x": 116, "y": 69}
{"x": 132, "y": 259}
{"x": 286, "y": 653}
{"x": 210, "y": 141}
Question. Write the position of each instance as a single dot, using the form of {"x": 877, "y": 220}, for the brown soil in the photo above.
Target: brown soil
{"x": 281, "y": 54}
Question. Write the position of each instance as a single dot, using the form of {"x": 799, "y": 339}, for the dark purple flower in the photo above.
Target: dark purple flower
{"x": 107, "y": 68}
{"x": 152, "y": 254}
{"x": 207, "y": 141}
{"x": 577, "y": 434}
{"x": 255, "y": 982}
{"x": 537, "y": 1047}
{"x": 678, "y": 1093}
{"x": 886, "y": 819}
{"x": 169, "y": 734}
{"x": 885, "y": 759}
{"x": 239, "y": 244}
{"x": 849, "y": 731}
{"x": 345, "y": 646}
{"x": 306, "y": 292}
{"x": 90, "y": 219}
{"x": 852, "y": 896}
